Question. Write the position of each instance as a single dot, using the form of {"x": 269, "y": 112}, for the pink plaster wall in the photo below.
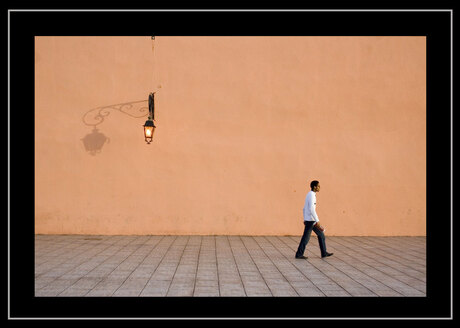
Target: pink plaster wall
{"x": 243, "y": 125}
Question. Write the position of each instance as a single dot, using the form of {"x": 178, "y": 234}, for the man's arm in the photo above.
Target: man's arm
{"x": 313, "y": 209}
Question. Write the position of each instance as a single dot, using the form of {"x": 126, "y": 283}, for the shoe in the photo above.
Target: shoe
{"x": 327, "y": 254}
{"x": 301, "y": 257}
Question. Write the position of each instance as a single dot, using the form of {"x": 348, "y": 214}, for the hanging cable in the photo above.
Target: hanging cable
{"x": 152, "y": 94}
{"x": 153, "y": 62}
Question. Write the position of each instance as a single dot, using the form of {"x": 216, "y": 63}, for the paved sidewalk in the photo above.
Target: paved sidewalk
{"x": 79, "y": 265}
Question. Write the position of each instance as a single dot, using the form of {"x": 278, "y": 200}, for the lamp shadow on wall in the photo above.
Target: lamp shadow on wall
{"x": 94, "y": 142}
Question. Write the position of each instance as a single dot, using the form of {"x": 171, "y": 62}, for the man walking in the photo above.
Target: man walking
{"x": 310, "y": 220}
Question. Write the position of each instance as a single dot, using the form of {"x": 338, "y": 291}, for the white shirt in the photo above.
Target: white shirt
{"x": 309, "y": 209}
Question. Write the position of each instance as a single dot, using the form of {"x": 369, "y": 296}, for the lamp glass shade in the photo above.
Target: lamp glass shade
{"x": 149, "y": 128}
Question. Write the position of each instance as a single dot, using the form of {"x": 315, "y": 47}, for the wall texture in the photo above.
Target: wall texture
{"x": 243, "y": 125}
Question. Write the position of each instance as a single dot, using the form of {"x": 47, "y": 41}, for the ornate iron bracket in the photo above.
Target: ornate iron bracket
{"x": 96, "y": 116}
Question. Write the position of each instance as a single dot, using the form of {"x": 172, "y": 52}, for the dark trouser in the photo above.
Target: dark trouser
{"x": 306, "y": 237}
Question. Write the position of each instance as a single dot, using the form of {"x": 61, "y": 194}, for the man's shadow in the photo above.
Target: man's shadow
{"x": 94, "y": 141}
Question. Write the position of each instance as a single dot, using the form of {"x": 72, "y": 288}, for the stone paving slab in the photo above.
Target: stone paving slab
{"x": 227, "y": 266}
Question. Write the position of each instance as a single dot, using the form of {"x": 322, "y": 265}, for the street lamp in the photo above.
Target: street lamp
{"x": 149, "y": 127}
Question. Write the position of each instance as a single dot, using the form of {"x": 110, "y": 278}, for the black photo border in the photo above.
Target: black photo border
{"x": 24, "y": 25}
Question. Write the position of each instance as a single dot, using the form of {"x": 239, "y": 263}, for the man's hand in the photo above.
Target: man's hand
{"x": 319, "y": 226}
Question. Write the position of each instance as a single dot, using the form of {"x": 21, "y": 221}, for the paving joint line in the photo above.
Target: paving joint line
{"x": 132, "y": 241}
{"x": 75, "y": 266}
{"x": 159, "y": 262}
{"x": 178, "y": 263}
{"x": 197, "y": 265}
{"x": 319, "y": 269}
{"x": 86, "y": 273}
{"x": 217, "y": 264}
{"x": 419, "y": 256}
{"x": 383, "y": 251}
{"x": 372, "y": 259}
{"x": 394, "y": 258}
{"x": 386, "y": 264}
{"x": 366, "y": 274}
{"x": 236, "y": 264}
{"x": 375, "y": 268}
{"x": 143, "y": 260}
{"x": 57, "y": 265}
{"x": 240, "y": 256}
{"x": 293, "y": 263}
{"x": 255, "y": 263}
{"x": 224, "y": 249}
{"x": 386, "y": 274}
{"x": 275, "y": 265}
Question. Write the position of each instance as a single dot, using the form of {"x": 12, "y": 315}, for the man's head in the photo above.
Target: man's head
{"x": 314, "y": 185}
